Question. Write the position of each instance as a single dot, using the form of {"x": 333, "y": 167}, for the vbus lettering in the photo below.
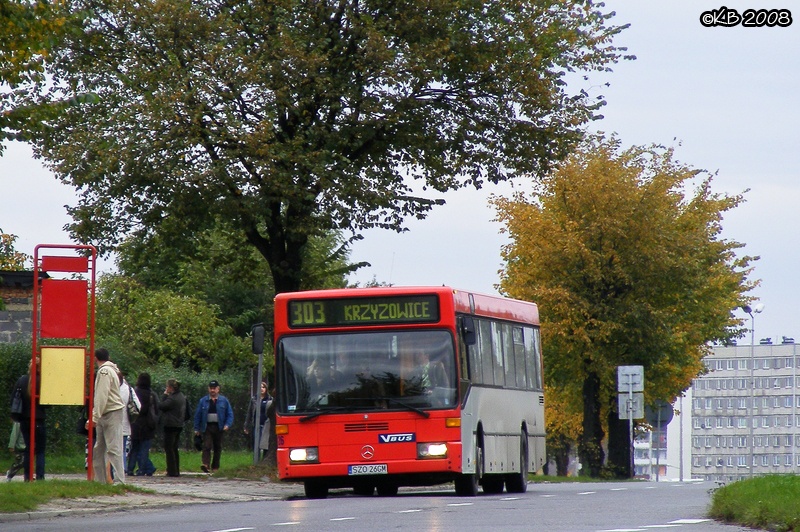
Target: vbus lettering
{"x": 397, "y": 438}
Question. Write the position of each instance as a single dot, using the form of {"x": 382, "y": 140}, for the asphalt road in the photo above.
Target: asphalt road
{"x": 184, "y": 504}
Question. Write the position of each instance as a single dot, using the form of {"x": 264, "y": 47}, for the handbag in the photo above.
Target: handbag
{"x": 133, "y": 408}
{"x": 16, "y": 404}
{"x": 198, "y": 442}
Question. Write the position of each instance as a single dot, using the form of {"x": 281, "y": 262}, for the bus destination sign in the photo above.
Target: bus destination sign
{"x": 422, "y": 308}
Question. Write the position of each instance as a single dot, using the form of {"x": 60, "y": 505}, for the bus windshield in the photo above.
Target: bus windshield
{"x": 361, "y": 371}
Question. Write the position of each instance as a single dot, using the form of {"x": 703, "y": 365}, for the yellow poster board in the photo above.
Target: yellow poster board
{"x": 63, "y": 376}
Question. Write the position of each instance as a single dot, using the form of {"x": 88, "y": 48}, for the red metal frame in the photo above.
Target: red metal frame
{"x": 48, "y": 310}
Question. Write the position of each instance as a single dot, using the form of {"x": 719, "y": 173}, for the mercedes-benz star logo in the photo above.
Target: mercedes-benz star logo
{"x": 367, "y": 452}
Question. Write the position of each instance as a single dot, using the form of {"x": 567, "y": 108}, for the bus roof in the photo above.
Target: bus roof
{"x": 464, "y": 301}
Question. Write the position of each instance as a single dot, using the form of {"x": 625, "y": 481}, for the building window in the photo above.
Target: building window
{"x": 741, "y": 461}
{"x": 742, "y": 363}
{"x": 741, "y": 422}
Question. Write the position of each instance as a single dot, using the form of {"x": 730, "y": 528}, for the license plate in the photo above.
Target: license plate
{"x": 368, "y": 469}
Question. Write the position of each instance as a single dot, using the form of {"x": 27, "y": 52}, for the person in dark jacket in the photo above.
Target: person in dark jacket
{"x": 173, "y": 416}
{"x": 261, "y": 437}
{"x": 25, "y": 383}
{"x": 143, "y": 429}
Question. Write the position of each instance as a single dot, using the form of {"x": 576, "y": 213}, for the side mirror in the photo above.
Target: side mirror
{"x": 468, "y": 330}
{"x": 258, "y": 338}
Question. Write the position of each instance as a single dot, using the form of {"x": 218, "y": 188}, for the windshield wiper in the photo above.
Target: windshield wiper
{"x": 328, "y": 410}
{"x": 407, "y": 406}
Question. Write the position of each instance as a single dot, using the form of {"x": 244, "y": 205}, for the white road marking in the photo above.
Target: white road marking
{"x": 690, "y": 521}
{"x": 343, "y": 519}
{"x": 587, "y": 493}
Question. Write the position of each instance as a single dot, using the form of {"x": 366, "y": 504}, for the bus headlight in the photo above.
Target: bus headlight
{"x": 431, "y": 450}
{"x": 304, "y": 455}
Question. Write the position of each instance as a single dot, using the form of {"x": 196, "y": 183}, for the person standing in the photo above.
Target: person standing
{"x": 143, "y": 429}
{"x": 127, "y": 394}
{"x": 25, "y": 384}
{"x": 173, "y": 415}
{"x": 107, "y": 417}
{"x": 261, "y": 438}
{"x": 213, "y": 417}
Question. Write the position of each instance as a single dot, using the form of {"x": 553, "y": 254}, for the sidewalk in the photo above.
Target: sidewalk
{"x": 189, "y": 488}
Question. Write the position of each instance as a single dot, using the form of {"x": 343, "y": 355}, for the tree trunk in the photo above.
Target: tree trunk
{"x": 619, "y": 446}
{"x": 590, "y": 447}
{"x": 562, "y": 460}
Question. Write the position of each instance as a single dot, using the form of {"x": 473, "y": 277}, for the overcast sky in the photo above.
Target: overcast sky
{"x": 727, "y": 95}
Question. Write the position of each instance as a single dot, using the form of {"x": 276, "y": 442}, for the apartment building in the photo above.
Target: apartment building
{"x": 745, "y": 412}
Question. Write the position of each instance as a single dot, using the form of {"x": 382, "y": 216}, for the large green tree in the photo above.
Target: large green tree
{"x": 629, "y": 268}
{"x": 28, "y": 29}
{"x": 219, "y": 267}
{"x": 291, "y": 118}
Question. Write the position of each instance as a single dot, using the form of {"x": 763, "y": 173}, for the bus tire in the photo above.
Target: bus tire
{"x": 315, "y": 489}
{"x": 467, "y": 483}
{"x": 518, "y": 482}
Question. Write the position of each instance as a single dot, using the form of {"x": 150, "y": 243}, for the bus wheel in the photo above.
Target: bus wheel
{"x": 518, "y": 482}
{"x": 315, "y": 489}
{"x": 387, "y": 489}
{"x": 467, "y": 483}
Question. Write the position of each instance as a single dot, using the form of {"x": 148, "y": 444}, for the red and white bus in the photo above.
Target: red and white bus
{"x": 385, "y": 387}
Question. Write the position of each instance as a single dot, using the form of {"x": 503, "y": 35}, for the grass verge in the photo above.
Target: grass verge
{"x": 18, "y": 497}
{"x": 766, "y": 502}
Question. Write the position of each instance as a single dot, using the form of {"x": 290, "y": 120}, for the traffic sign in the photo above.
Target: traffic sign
{"x": 631, "y": 405}
{"x": 630, "y": 379}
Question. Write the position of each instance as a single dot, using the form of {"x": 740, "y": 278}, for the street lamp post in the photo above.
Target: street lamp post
{"x": 752, "y": 311}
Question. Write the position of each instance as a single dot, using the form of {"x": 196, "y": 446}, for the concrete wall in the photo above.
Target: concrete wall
{"x": 16, "y": 320}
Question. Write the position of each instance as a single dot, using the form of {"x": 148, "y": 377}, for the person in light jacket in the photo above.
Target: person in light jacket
{"x": 107, "y": 417}
{"x": 213, "y": 418}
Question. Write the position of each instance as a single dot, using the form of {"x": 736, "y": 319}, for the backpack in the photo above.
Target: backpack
{"x": 16, "y": 404}
{"x": 133, "y": 408}
{"x": 152, "y": 412}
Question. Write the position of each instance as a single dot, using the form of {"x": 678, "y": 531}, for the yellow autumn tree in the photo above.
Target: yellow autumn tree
{"x": 623, "y": 252}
